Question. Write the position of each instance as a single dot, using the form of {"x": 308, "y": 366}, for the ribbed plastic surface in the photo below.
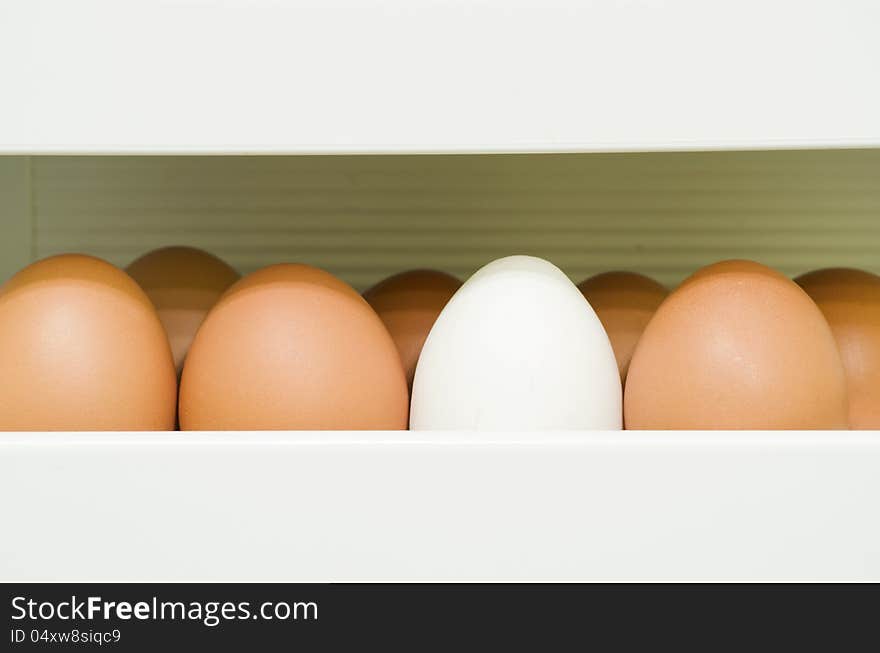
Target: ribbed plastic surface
{"x": 363, "y": 218}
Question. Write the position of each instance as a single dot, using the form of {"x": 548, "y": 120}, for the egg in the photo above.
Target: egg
{"x": 183, "y": 283}
{"x": 517, "y": 348}
{"x": 408, "y": 304}
{"x": 82, "y": 349}
{"x": 624, "y": 302}
{"x": 292, "y": 347}
{"x": 736, "y": 346}
{"x": 850, "y": 301}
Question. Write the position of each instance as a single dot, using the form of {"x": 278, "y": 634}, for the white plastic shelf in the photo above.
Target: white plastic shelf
{"x": 349, "y": 76}
{"x": 410, "y": 506}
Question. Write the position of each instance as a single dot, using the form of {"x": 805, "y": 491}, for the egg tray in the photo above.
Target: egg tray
{"x": 424, "y": 506}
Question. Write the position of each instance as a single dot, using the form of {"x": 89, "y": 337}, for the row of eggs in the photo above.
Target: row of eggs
{"x": 87, "y": 346}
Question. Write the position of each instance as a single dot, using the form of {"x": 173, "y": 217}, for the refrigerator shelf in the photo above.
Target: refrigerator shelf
{"x": 426, "y": 506}
{"x": 396, "y": 76}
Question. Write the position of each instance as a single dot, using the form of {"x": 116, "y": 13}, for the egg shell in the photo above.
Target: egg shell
{"x": 736, "y": 346}
{"x": 850, "y": 301}
{"x": 408, "y": 304}
{"x": 82, "y": 349}
{"x": 517, "y": 348}
{"x": 624, "y": 302}
{"x": 183, "y": 283}
{"x": 292, "y": 347}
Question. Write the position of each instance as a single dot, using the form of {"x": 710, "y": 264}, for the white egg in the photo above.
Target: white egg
{"x": 517, "y": 348}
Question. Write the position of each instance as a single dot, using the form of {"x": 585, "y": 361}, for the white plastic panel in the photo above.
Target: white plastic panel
{"x": 365, "y": 217}
{"x": 452, "y": 506}
{"x": 299, "y": 76}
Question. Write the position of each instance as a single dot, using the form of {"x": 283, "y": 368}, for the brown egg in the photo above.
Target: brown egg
{"x": 293, "y": 347}
{"x": 409, "y": 303}
{"x": 850, "y": 301}
{"x": 624, "y": 302}
{"x": 183, "y": 283}
{"x": 81, "y": 349}
{"x": 736, "y": 346}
